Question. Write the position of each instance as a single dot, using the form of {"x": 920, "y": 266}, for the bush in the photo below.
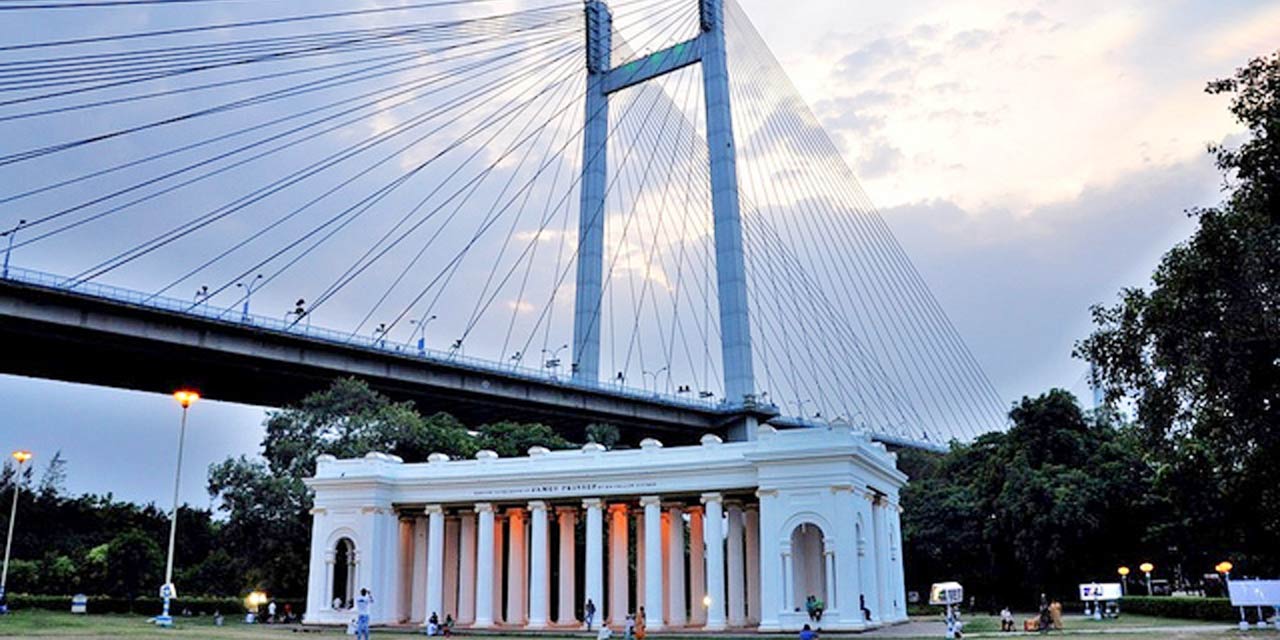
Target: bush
{"x": 111, "y": 604}
{"x": 1215, "y": 609}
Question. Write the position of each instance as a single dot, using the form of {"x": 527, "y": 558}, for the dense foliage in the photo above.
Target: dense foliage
{"x": 259, "y": 537}
{"x": 1057, "y": 499}
{"x": 1198, "y": 353}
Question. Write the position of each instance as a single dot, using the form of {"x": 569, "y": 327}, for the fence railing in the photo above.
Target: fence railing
{"x": 303, "y": 328}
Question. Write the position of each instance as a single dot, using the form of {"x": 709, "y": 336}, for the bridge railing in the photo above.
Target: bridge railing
{"x": 238, "y": 317}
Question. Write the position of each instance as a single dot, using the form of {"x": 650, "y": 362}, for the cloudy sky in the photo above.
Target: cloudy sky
{"x": 1032, "y": 157}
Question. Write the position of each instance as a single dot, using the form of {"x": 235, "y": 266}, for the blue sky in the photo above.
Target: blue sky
{"x": 1032, "y": 158}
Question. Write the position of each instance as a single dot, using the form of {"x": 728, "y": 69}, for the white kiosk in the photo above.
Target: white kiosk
{"x": 723, "y": 535}
{"x": 948, "y": 594}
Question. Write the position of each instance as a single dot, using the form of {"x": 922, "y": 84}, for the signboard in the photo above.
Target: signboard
{"x": 79, "y": 603}
{"x": 1254, "y": 593}
{"x": 1100, "y": 591}
{"x": 946, "y": 593}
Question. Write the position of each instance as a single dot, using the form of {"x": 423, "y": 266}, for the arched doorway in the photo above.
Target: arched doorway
{"x": 344, "y": 574}
{"x": 808, "y": 566}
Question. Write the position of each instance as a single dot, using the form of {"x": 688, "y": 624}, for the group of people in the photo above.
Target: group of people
{"x": 434, "y": 628}
{"x": 814, "y": 607}
{"x": 633, "y": 627}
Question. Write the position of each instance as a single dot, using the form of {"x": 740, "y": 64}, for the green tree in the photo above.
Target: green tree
{"x": 1198, "y": 352}
{"x": 1037, "y": 509}
{"x": 513, "y": 439}
{"x": 604, "y": 434}
{"x": 134, "y": 564}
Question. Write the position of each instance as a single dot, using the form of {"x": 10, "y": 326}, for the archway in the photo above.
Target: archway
{"x": 808, "y": 566}
{"x": 342, "y": 592}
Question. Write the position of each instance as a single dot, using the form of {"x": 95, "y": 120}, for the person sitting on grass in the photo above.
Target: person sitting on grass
{"x": 808, "y": 634}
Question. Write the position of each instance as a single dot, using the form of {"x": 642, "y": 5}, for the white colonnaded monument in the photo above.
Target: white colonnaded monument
{"x": 712, "y": 537}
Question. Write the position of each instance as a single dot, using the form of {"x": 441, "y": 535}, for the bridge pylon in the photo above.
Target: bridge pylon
{"x": 603, "y": 79}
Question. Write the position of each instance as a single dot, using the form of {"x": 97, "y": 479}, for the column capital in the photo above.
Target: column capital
{"x": 674, "y": 506}
{"x": 566, "y": 511}
{"x": 751, "y": 507}
{"x": 514, "y": 512}
{"x": 651, "y": 501}
{"x": 618, "y": 507}
{"x": 537, "y": 505}
{"x": 764, "y": 493}
{"x": 434, "y": 509}
{"x": 693, "y": 509}
{"x": 842, "y": 488}
{"x": 733, "y": 504}
{"x": 708, "y": 498}
{"x": 484, "y": 507}
{"x": 592, "y": 503}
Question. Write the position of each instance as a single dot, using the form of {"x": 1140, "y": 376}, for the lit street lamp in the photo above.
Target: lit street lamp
{"x": 22, "y": 457}
{"x": 185, "y": 398}
{"x": 1124, "y": 579}
{"x": 1147, "y": 568}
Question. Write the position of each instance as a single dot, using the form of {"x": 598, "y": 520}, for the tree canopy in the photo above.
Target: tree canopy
{"x": 1198, "y": 352}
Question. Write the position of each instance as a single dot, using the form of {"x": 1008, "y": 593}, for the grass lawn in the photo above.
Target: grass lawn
{"x": 65, "y": 626}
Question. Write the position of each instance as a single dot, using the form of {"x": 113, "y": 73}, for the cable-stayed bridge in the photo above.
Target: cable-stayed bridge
{"x": 602, "y": 212}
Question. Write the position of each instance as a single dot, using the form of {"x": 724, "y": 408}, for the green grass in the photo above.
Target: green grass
{"x": 52, "y": 624}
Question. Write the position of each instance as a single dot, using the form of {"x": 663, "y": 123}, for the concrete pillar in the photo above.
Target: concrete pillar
{"x": 539, "y": 566}
{"x": 618, "y": 579}
{"x": 697, "y": 568}
{"x": 419, "y": 614}
{"x": 653, "y": 561}
{"x": 829, "y": 567}
{"x": 517, "y": 565}
{"x": 485, "y": 557}
{"x": 665, "y": 534}
{"x": 639, "y": 555}
{"x": 751, "y": 522}
{"x": 676, "y": 605}
{"x": 736, "y": 597}
{"x": 435, "y": 559}
{"x": 714, "y": 527}
{"x": 567, "y": 518}
{"x": 467, "y": 568}
{"x": 788, "y": 578}
{"x": 452, "y": 564}
{"x": 499, "y": 573}
{"x": 594, "y": 582}
{"x": 404, "y": 597}
{"x": 880, "y": 552}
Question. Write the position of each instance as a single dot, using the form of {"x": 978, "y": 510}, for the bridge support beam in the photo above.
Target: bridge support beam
{"x": 731, "y": 276}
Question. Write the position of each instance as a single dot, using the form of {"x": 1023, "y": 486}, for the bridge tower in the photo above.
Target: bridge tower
{"x": 707, "y": 49}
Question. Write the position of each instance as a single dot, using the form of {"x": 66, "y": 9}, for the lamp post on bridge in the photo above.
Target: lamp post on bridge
{"x": 22, "y": 457}
{"x": 422, "y": 332}
{"x": 185, "y": 398}
{"x": 9, "y": 249}
{"x": 249, "y": 287}
{"x": 552, "y": 364}
{"x": 655, "y": 375}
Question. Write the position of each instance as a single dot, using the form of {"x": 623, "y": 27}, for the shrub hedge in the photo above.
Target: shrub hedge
{"x": 1189, "y": 608}
{"x": 199, "y": 605}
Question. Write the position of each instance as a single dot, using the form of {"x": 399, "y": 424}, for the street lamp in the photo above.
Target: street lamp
{"x": 9, "y": 249}
{"x": 1147, "y": 568}
{"x": 552, "y": 364}
{"x": 249, "y": 288}
{"x": 1124, "y": 579}
{"x": 186, "y": 398}
{"x": 22, "y": 457}
{"x": 422, "y": 333}
{"x": 655, "y": 375}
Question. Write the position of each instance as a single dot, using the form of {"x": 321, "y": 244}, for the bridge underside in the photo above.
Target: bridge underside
{"x": 54, "y": 334}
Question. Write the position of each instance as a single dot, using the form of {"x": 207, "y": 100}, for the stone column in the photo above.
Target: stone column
{"x": 567, "y": 518}
{"x": 829, "y": 565}
{"x": 880, "y": 552}
{"x": 418, "y": 612}
{"x": 653, "y": 561}
{"x": 751, "y": 522}
{"x": 594, "y": 584}
{"x": 677, "y": 606}
{"x": 404, "y": 598}
{"x": 697, "y": 568}
{"x": 435, "y": 559}
{"x": 737, "y": 590}
{"x": 499, "y": 574}
{"x": 517, "y": 563}
{"x": 618, "y": 582}
{"x": 467, "y": 568}
{"x": 715, "y": 561}
{"x": 639, "y": 575}
{"x": 451, "y": 567}
{"x": 866, "y": 560}
{"x": 485, "y": 557}
{"x": 539, "y": 566}
{"x": 788, "y": 577}
{"x": 665, "y": 534}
